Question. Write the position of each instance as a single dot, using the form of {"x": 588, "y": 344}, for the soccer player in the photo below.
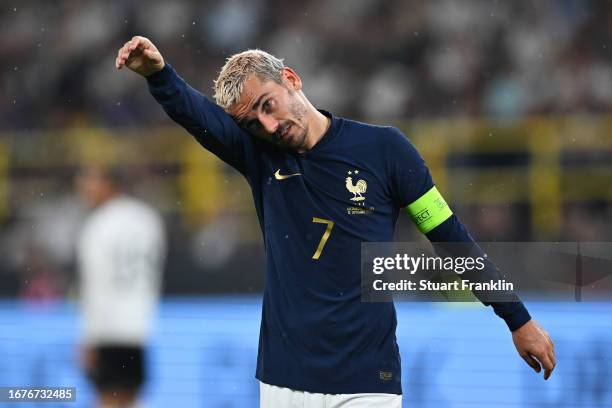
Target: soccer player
{"x": 120, "y": 253}
{"x": 322, "y": 185}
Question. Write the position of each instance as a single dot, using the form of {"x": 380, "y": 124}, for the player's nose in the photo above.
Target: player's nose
{"x": 269, "y": 124}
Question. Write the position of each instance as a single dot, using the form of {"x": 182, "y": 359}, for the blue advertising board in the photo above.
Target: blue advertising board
{"x": 203, "y": 354}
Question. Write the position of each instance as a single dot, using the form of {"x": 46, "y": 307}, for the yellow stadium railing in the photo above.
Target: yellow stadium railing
{"x": 197, "y": 185}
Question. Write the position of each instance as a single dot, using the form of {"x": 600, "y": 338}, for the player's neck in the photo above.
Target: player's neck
{"x": 318, "y": 126}
{"x": 106, "y": 197}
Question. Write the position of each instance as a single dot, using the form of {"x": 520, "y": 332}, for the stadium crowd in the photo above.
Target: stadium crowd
{"x": 381, "y": 59}
{"x": 378, "y": 60}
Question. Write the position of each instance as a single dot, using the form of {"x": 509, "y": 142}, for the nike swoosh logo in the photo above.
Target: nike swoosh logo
{"x": 279, "y": 176}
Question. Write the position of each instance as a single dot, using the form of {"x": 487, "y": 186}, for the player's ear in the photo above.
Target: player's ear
{"x": 291, "y": 79}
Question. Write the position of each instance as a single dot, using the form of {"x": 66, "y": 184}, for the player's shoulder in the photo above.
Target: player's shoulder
{"x": 358, "y": 125}
{"x": 126, "y": 210}
{"x": 386, "y": 132}
{"x": 386, "y": 137}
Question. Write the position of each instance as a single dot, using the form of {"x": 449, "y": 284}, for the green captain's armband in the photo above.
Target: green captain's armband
{"x": 429, "y": 210}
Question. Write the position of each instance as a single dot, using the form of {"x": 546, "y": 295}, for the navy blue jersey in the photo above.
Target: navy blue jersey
{"x": 315, "y": 210}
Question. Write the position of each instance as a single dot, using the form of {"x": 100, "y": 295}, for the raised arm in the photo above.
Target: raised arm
{"x": 141, "y": 56}
{"x": 212, "y": 127}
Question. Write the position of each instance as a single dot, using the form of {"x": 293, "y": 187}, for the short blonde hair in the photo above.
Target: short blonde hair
{"x": 237, "y": 69}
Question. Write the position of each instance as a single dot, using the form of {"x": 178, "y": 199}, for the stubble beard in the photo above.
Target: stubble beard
{"x": 298, "y": 109}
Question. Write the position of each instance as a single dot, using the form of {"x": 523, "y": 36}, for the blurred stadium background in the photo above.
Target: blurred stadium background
{"x": 508, "y": 101}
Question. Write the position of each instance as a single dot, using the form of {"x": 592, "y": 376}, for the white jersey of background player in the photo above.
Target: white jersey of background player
{"x": 121, "y": 254}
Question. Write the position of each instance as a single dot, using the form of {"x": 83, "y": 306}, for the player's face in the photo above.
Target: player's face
{"x": 93, "y": 186}
{"x": 274, "y": 112}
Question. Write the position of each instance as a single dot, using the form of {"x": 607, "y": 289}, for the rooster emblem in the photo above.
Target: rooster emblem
{"x": 357, "y": 189}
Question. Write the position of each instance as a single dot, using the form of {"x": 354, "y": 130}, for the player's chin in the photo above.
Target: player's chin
{"x": 295, "y": 144}
{"x": 289, "y": 141}
{"x": 297, "y": 141}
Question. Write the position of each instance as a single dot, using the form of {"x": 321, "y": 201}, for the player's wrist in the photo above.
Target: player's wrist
{"x": 161, "y": 76}
{"x": 518, "y": 317}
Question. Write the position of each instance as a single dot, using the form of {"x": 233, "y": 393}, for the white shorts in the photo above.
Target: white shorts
{"x": 271, "y": 396}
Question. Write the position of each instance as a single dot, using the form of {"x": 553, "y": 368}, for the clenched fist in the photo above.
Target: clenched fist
{"x": 141, "y": 56}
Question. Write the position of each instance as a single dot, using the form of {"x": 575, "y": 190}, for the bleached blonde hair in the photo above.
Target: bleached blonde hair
{"x": 237, "y": 69}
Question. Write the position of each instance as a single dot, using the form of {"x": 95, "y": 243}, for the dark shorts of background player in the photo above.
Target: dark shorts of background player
{"x": 118, "y": 367}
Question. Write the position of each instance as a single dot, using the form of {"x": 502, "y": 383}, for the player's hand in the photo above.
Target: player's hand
{"x": 140, "y": 55}
{"x": 535, "y": 346}
{"x": 87, "y": 357}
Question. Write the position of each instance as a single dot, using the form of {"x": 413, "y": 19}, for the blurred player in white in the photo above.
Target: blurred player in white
{"x": 121, "y": 254}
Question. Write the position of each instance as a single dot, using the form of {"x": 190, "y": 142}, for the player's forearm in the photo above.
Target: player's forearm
{"x": 512, "y": 310}
{"x": 434, "y": 218}
{"x": 186, "y": 106}
{"x": 212, "y": 127}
